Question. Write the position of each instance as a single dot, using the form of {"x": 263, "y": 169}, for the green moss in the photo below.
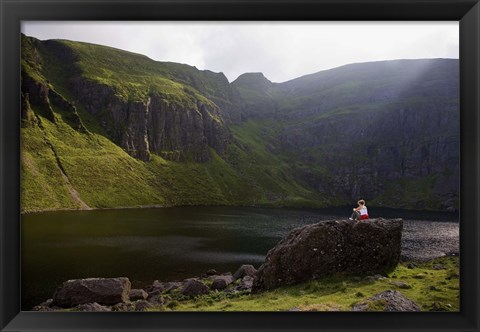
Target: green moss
{"x": 42, "y": 186}
{"x": 133, "y": 76}
{"x": 341, "y": 293}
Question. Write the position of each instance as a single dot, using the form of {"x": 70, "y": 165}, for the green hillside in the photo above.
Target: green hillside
{"x": 106, "y": 128}
{"x": 102, "y": 175}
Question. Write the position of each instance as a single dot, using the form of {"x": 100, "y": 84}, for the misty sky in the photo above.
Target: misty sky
{"x": 280, "y": 50}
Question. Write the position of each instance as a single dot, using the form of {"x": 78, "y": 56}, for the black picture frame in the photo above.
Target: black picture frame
{"x": 12, "y": 12}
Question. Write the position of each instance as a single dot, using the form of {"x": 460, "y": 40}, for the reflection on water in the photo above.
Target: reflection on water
{"x": 164, "y": 244}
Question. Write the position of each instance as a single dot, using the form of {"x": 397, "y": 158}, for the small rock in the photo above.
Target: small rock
{"x": 437, "y": 306}
{"x": 160, "y": 287}
{"x": 47, "y": 303}
{"x": 154, "y": 293}
{"x": 419, "y": 276}
{"x": 433, "y": 288}
{"x": 246, "y": 284}
{"x": 211, "y": 272}
{"x": 439, "y": 267}
{"x": 157, "y": 285}
{"x": 92, "y": 307}
{"x": 389, "y": 300}
{"x": 156, "y": 299}
{"x": 138, "y": 294}
{"x": 123, "y": 307}
{"x": 245, "y": 270}
{"x": 170, "y": 286}
{"x": 221, "y": 282}
{"x": 142, "y": 305}
{"x": 193, "y": 288}
{"x": 44, "y": 308}
{"x": 294, "y": 309}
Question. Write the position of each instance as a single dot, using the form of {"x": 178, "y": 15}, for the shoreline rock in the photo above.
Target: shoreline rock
{"x": 389, "y": 300}
{"x": 104, "y": 291}
{"x": 329, "y": 248}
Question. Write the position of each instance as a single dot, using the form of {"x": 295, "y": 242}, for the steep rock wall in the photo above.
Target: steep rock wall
{"x": 157, "y": 125}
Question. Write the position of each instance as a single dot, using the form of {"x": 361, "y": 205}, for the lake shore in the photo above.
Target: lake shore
{"x": 431, "y": 286}
{"x": 347, "y": 208}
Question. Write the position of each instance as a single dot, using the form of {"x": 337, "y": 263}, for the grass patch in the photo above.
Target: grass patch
{"x": 341, "y": 293}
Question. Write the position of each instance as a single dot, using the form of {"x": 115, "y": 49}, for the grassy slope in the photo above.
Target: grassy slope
{"x": 134, "y": 76}
{"x": 340, "y": 293}
{"x": 41, "y": 181}
{"x": 105, "y": 176}
{"x": 268, "y": 171}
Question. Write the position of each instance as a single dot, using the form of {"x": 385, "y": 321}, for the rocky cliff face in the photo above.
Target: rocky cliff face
{"x": 44, "y": 97}
{"x": 385, "y": 131}
{"x": 366, "y": 152}
{"x": 157, "y": 125}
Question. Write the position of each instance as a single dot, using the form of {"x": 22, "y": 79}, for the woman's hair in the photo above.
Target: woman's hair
{"x": 361, "y": 202}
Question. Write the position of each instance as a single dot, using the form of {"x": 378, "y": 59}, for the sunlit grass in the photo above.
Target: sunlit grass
{"x": 432, "y": 289}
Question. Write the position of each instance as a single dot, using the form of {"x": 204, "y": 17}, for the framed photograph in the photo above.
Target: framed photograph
{"x": 198, "y": 165}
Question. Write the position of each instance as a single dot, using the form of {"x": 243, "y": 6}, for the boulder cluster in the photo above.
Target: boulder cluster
{"x": 116, "y": 294}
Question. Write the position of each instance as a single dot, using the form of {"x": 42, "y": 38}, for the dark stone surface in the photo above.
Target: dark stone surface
{"x": 174, "y": 131}
{"x": 221, "y": 282}
{"x": 108, "y": 291}
{"x": 245, "y": 270}
{"x": 194, "y": 287}
{"x": 137, "y": 294}
{"x": 92, "y": 307}
{"x": 37, "y": 95}
{"x": 211, "y": 272}
{"x": 332, "y": 247}
{"x": 389, "y": 300}
{"x": 142, "y": 305}
{"x": 246, "y": 284}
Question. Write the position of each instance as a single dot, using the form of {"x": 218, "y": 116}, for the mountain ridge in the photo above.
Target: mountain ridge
{"x": 197, "y": 139}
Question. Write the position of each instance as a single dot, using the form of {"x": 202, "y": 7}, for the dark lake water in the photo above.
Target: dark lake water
{"x": 176, "y": 243}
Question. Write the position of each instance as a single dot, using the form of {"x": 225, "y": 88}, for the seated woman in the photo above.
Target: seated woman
{"x": 360, "y": 212}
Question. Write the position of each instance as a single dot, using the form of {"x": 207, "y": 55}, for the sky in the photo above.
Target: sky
{"x": 280, "y": 50}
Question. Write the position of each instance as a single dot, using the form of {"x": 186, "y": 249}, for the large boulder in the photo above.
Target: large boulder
{"x": 137, "y": 294}
{"x": 389, "y": 300}
{"x": 221, "y": 282}
{"x": 245, "y": 270}
{"x": 194, "y": 287}
{"x": 332, "y": 247}
{"x": 104, "y": 291}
